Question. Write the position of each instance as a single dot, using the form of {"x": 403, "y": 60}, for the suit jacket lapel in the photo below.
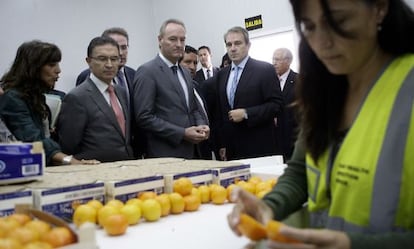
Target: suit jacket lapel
{"x": 223, "y": 85}
{"x": 288, "y": 84}
{"x": 190, "y": 87}
{"x": 173, "y": 80}
{"x": 101, "y": 103}
{"x": 243, "y": 80}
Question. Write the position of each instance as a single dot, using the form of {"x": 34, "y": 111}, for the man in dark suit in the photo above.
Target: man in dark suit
{"x": 248, "y": 98}
{"x": 164, "y": 99}
{"x": 94, "y": 121}
{"x": 190, "y": 61}
{"x": 124, "y": 78}
{"x": 207, "y": 70}
{"x": 286, "y": 122}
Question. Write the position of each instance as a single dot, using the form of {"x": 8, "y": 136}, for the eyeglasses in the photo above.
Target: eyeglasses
{"x": 104, "y": 59}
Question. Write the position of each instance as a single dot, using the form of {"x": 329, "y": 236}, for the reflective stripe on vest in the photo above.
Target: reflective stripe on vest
{"x": 367, "y": 177}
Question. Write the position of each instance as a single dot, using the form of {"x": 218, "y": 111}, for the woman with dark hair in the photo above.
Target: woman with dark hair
{"x": 225, "y": 61}
{"x": 353, "y": 161}
{"x": 23, "y": 106}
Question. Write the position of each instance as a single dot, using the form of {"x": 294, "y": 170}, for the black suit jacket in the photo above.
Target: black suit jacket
{"x": 199, "y": 77}
{"x": 259, "y": 93}
{"x": 286, "y": 130}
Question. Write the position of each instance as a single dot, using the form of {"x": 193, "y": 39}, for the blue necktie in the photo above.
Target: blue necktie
{"x": 234, "y": 86}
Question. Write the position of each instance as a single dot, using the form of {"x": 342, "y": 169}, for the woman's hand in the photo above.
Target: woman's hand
{"x": 249, "y": 204}
{"x": 312, "y": 239}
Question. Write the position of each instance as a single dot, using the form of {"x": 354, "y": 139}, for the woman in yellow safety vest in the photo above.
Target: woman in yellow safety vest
{"x": 353, "y": 164}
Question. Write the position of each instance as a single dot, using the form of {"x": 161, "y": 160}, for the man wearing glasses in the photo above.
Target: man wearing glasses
{"x": 124, "y": 78}
{"x": 94, "y": 121}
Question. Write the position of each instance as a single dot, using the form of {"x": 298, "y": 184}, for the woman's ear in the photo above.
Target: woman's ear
{"x": 382, "y": 10}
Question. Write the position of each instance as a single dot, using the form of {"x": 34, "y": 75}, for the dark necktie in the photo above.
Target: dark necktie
{"x": 120, "y": 78}
{"x": 174, "y": 69}
{"x": 208, "y": 73}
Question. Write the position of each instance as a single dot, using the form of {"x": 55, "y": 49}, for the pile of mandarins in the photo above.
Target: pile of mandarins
{"x": 21, "y": 231}
{"x": 115, "y": 216}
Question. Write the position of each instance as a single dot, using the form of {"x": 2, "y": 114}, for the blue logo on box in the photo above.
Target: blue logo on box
{"x": 2, "y": 166}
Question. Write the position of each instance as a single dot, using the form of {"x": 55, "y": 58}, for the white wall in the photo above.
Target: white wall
{"x": 71, "y": 24}
{"x": 207, "y": 21}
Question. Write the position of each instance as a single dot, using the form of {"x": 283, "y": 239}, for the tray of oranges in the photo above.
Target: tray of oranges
{"x": 29, "y": 228}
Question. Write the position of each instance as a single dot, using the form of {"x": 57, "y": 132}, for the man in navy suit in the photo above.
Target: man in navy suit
{"x": 248, "y": 97}
{"x": 286, "y": 123}
{"x": 164, "y": 100}
{"x": 94, "y": 121}
{"x": 124, "y": 78}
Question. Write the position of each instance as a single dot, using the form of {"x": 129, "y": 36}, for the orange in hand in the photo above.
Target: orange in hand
{"x": 251, "y": 228}
{"x": 273, "y": 233}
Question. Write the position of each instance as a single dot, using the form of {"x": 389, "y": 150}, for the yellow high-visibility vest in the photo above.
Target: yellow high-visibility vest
{"x": 369, "y": 186}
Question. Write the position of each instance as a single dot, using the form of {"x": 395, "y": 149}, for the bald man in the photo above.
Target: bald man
{"x": 286, "y": 122}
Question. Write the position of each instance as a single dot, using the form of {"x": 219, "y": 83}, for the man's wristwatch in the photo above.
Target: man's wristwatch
{"x": 66, "y": 160}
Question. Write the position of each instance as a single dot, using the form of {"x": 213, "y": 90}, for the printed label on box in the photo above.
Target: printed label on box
{"x": 61, "y": 201}
{"x": 125, "y": 190}
{"x": 228, "y": 175}
{"x": 9, "y": 200}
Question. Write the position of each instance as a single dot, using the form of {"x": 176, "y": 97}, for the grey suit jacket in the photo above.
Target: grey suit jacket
{"x": 161, "y": 110}
{"x": 88, "y": 128}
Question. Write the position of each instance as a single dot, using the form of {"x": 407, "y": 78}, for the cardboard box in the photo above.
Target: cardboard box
{"x": 269, "y": 172}
{"x": 21, "y": 162}
{"x": 125, "y": 182}
{"x": 85, "y": 237}
{"x": 223, "y": 173}
{"x": 225, "y": 176}
{"x": 124, "y": 190}
{"x": 197, "y": 177}
{"x": 59, "y": 194}
{"x": 12, "y": 195}
{"x": 172, "y": 170}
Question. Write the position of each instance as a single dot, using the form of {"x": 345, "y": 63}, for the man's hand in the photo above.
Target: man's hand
{"x": 204, "y": 129}
{"x": 223, "y": 154}
{"x": 237, "y": 115}
{"x": 196, "y": 134}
